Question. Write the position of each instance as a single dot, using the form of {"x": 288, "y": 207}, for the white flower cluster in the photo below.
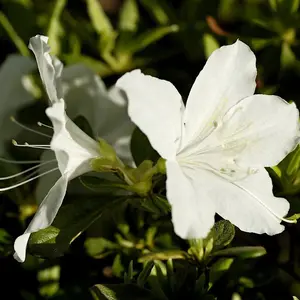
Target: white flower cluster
{"x": 216, "y": 146}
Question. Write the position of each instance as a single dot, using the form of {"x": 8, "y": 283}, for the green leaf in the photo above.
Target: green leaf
{"x": 129, "y": 16}
{"x": 273, "y": 5}
{"x": 242, "y": 252}
{"x": 13, "y": 35}
{"x": 143, "y": 276}
{"x": 129, "y": 275}
{"x": 145, "y": 39}
{"x": 97, "y": 245}
{"x": 156, "y": 283}
{"x": 287, "y": 58}
{"x": 218, "y": 269}
{"x": 117, "y": 266}
{"x": 158, "y": 9}
{"x": 287, "y": 172}
{"x": 55, "y": 29}
{"x": 156, "y": 205}
{"x": 4, "y": 236}
{"x": 222, "y": 233}
{"x": 294, "y": 162}
{"x": 210, "y": 44}
{"x": 284, "y": 6}
{"x": 121, "y": 292}
{"x": 260, "y": 43}
{"x": 164, "y": 255}
{"x": 100, "y": 21}
{"x": 72, "y": 219}
{"x": 96, "y": 65}
{"x": 141, "y": 148}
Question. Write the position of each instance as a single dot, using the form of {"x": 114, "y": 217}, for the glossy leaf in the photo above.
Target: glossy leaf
{"x": 129, "y": 16}
{"x": 120, "y": 292}
{"x": 242, "y": 252}
{"x": 72, "y": 219}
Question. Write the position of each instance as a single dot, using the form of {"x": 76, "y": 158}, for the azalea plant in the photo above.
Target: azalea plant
{"x": 157, "y": 163}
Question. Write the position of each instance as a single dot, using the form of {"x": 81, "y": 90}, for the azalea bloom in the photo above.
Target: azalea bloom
{"x": 106, "y": 111}
{"x": 73, "y": 148}
{"x": 216, "y": 147}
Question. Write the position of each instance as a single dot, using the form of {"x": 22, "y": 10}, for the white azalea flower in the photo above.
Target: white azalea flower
{"x": 106, "y": 111}
{"x": 73, "y": 148}
{"x": 217, "y": 146}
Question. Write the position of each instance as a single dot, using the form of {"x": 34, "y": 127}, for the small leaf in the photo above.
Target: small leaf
{"x": 120, "y": 292}
{"x": 210, "y": 44}
{"x": 72, "y": 219}
{"x": 156, "y": 284}
{"x": 156, "y": 205}
{"x": 164, "y": 255}
{"x": 273, "y": 5}
{"x": 100, "y": 21}
{"x": 222, "y": 233}
{"x": 145, "y": 39}
{"x": 97, "y": 245}
{"x": 143, "y": 276}
{"x": 158, "y": 9}
{"x": 129, "y": 275}
{"x": 260, "y": 43}
{"x": 55, "y": 29}
{"x": 117, "y": 266}
{"x": 129, "y": 16}
{"x": 96, "y": 65}
{"x": 218, "y": 269}
{"x": 242, "y": 252}
{"x": 287, "y": 58}
{"x": 13, "y": 35}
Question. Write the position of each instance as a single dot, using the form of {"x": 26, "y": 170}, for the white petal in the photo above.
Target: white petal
{"x": 43, "y": 217}
{"x": 14, "y": 93}
{"x": 73, "y": 148}
{"x": 249, "y": 203}
{"x": 50, "y": 68}
{"x": 262, "y": 129}
{"x": 192, "y": 209}
{"x": 106, "y": 111}
{"x": 155, "y": 106}
{"x": 227, "y": 77}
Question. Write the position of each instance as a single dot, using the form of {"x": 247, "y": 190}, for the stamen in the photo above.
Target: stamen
{"x": 28, "y": 128}
{"x": 26, "y": 145}
{"x": 44, "y": 125}
{"x": 26, "y": 181}
{"x": 27, "y": 170}
{"x": 10, "y": 161}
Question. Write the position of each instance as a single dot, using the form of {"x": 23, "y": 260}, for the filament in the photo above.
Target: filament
{"x": 28, "y": 128}
{"x": 11, "y": 161}
{"x": 27, "y": 181}
{"x": 27, "y": 170}
{"x": 26, "y": 145}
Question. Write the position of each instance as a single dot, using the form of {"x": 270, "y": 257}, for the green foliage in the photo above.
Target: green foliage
{"x": 71, "y": 221}
{"x": 121, "y": 292}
